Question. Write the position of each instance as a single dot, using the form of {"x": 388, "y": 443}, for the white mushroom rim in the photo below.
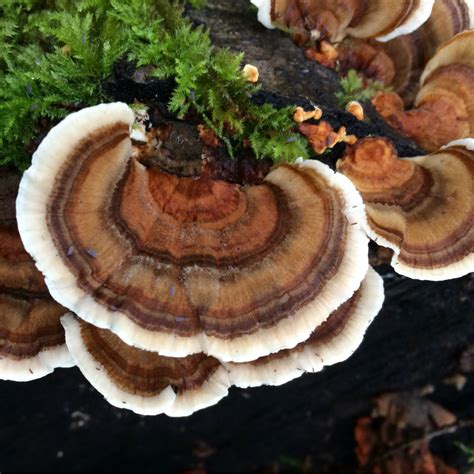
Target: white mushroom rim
{"x": 451, "y": 271}
{"x": 416, "y": 19}
{"x": 274, "y": 371}
{"x": 40, "y": 365}
{"x": 38, "y": 184}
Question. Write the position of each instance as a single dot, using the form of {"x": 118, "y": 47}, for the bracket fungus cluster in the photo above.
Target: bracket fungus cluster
{"x": 31, "y": 336}
{"x": 399, "y": 63}
{"x": 444, "y": 105}
{"x": 395, "y": 60}
{"x": 422, "y": 208}
{"x": 180, "y": 287}
{"x": 151, "y": 384}
{"x": 322, "y": 136}
{"x": 410, "y": 53}
{"x": 332, "y": 20}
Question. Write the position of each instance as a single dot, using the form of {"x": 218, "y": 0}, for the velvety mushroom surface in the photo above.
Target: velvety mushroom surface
{"x": 31, "y": 336}
{"x": 422, "y": 208}
{"x": 180, "y": 265}
{"x": 148, "y": 383}
{"x": 316, "y": 19}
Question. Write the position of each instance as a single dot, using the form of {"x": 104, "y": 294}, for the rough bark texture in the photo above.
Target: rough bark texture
{"x": 62, "y": 423}
{"x": 286, "y": 72}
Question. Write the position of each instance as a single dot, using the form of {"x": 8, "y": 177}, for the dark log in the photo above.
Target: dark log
{"x": 61, "y": 423}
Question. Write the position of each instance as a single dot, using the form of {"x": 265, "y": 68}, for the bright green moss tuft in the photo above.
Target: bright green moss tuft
{"x": 353, "y": 88}
{"x": 56, "y": 54}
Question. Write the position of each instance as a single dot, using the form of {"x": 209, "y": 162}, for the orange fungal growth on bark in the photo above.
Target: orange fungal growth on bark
{"x": 322, "y": 136}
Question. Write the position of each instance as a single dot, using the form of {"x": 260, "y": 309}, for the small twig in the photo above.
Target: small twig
{"x": 426, "y": 438}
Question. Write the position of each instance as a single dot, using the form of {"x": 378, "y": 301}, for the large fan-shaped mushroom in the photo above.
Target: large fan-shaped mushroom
{"x": 150, "y": 384}
{"x": 422, "y": 208}
{"x": 181, "y": 265}
{"x": 31, "y": 336}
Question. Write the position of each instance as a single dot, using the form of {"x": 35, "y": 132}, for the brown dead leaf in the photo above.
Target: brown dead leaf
{"x": 203, "y": 450}
{"x": 395, "y": 439}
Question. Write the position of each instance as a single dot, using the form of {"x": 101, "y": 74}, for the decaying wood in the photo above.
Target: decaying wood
{"x": 61, "y": 423}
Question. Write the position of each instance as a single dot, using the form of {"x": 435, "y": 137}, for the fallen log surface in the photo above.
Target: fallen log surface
{"x": 61, "y": 423}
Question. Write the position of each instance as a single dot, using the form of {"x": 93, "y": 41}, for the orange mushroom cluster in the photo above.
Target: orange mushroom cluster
{"x": 183, "y": 287}
{"x": 322, "y": 136}
{"x": 422, "y": 208}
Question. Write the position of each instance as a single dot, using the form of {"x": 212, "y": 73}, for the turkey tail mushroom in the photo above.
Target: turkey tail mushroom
{"x": 31, "y": 336}
{"x": 399, "y": 63}
{"x": 180, "y": 265}
{"x": 444, "y": 106}
{"x": 326, "y": 19}
{"x": 150, "y": 384}
{"x": 422, "y": 208}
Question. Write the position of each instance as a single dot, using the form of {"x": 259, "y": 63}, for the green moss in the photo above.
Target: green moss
{"x": 197, "y": 3}
{"x": 57, "y": 53}
{"x": 354, "y": 88}
{"x": 468, "y": 451}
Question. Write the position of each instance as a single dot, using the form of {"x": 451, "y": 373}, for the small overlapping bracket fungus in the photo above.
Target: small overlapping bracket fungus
{"x": 444, "y": 106}
{"x": 399, "y": 63}
{"x": 327, "y": 19}
{"x": 368, "y": 58}
{"x": 251, "y": 73}
{"x": 410, "y": 53}
{"x": 333, "y": 341}
{"x": 355, "y": 108}
{"x": 150, "y": 384}
{"x": 144, "y": 381}
{"x": 31, "y": 336}
{"x": 422, "y": 208}
{"x": 181, "y": 265}
{"x": 300, "y": 115}
{"x": 323, "y": 53}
